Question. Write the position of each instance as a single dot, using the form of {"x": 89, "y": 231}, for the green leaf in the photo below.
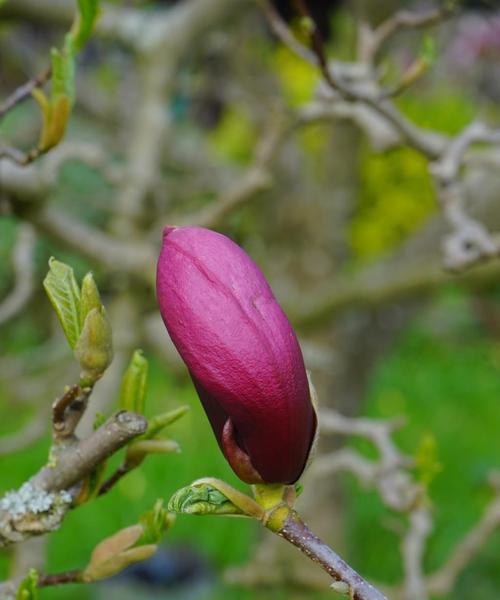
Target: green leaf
{"x": 28, "y": 588}
{"x": 94, "y": 348}
{"x": 427, "y": 462}
{"x": 155, "y": 523}
{"x": 137, "y": 451}
{"x": 428, "y": 50}
{"x": 89, "y": 297}
{"x": 84, "y": 23}
{"x": 133, "y": 388}
{"x": 159, "y": 422}
{"x": 63, "y": 73}
{"x": 64, "y": 294}
{"x": 99, "y": 420}
{"x": 202, "y": 499}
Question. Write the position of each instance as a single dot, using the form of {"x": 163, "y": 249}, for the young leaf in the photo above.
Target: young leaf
{"x": 115, "y": 553}
{"x": 63, "y": 72}
{"x": 94, "y": 348}
{"x": 202, "y": 500}
{"x": 155, "y": 523}
{"x": 83, "y": 25}
{"x": 159, "y": 422}
{"x": 137, "y": 451}
{"x": 133, "y": 388}
{"x": 56, "y": 109}
{"x": 28, "y": 589}
{"x": 89, "y": 297}
{"x": 64, "y": 294}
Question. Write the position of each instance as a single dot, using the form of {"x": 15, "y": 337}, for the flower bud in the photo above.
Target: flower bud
{"x": 241, "y": 352}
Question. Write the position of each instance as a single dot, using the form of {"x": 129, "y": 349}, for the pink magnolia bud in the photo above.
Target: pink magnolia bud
{"x": 241, "y": 352}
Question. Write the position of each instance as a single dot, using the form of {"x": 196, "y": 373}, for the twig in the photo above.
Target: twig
{"x": 256, "y": 179}
{"x": 317, "y": 44}
{"x": 441, "y": 581}
{"x": 469, "y": 242}
{"x": 67, "y": 412}
{"x": 347, "y": 580}
{"x": 24, "y": 91}
{"x": 59, "y": 578}
{"x": 283, "y": 32}
{"x": 387, "y": 474}
{"x": 404, "y": 19}
{"x": 113, "y": 479}
{"x": 412, "y": 549}
{"x": 136, "y": 258}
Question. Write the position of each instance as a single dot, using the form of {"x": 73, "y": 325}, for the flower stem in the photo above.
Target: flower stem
{"x": 298, "y": 533}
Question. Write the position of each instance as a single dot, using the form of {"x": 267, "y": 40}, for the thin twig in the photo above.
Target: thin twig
{"x": 114, "y": 479}
{"x": 405, "y": 19}
{"x": 351, "y": 583}
{"x": 68, "y": 410}
{"x": 254, "y": 180}
{"x": 24, "y": 91}
{"x": 59, "y": 578}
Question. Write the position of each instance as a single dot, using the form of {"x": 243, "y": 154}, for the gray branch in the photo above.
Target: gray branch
{"x": 40, "y": 505}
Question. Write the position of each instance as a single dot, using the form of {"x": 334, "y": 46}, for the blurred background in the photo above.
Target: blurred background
{"x": 190, "y": 124}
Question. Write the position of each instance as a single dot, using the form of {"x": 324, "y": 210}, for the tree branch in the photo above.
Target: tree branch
{"x": 41, "y": 504}
{"x": 22, "y": 261}
{"x": 347, "y": 580}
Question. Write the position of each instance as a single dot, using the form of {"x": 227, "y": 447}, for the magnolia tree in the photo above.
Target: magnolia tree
{"x": 238, "y": 345}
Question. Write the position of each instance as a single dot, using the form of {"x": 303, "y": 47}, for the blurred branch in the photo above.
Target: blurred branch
{"x": 441, "y": 582}
{"x": 284, "y": 33}
{"x": 24, "y": 91}
{"x": 387, "y": 474}
{"x": 403, "y": 19}
{"x": 413, "y": 547}
{"x": 22, "y": 262}
{"x": 136, "y": 258}
{"x": 469, "y": 241}
{"x": 27, "y": 435}
{"x": 387, "y": 281}
{"x": 254, "y": 180}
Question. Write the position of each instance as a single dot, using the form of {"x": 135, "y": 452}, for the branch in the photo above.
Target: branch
{"x": 386, "y": 282}
{"x": 441, "y": 582}
{"x": 469, "y": 242}
{"x": 347, "y": 581}
{"x": 256, "y": 179}
{"x": 284, "y": 33}
{"x": 387, "y": 474}
{"x": 41, "y": 504}
{"x": 135, "y": 258}
{"x": 413, "y": 549}
{"x": 22, "y": 262}
{"x": 403, "y": 19}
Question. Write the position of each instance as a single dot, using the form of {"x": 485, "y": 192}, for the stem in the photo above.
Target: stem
{"x": 114, "y": 479}
{"x": 59, "y": 578}
{"x": 298, "y": 533}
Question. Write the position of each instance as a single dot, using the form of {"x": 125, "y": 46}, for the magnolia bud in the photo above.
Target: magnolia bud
{"x": 241, "y": 352}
